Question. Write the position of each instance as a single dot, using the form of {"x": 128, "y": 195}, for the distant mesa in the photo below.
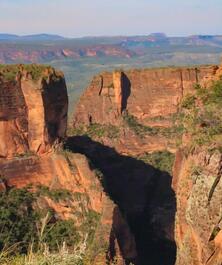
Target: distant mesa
{"x": 159, "y": 35}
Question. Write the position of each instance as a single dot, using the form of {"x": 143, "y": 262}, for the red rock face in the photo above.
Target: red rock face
{"x": 143, "y": 94}
{"x": 148, "y": 95}
{"x": 13, "y": 120}
{"x": 198, "y": 215}
{"x": 33, "y": 119}
{"x": 32, "y": 113}
{"x": 55, "y": 171}
{"x": 135, "y": 200}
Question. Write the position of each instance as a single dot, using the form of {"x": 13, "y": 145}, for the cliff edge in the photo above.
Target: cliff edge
{"x": 33, "y": 109}
{"x": 134, "y": 111}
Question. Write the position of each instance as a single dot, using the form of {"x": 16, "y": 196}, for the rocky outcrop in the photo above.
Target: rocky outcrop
{"x": 144, "y": 94}
{"x": 137, "y": 112}
{"x": 33, "y": 120}
{"x": 33, "y": 111}
{"x": 151, "y": 97}
{"x": 198, "y": 223}
{"x": 147, "y": 107}
{"x": 197, "y": 178}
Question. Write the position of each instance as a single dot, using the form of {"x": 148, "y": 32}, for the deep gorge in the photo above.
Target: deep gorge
{"x": 140, "y": 154}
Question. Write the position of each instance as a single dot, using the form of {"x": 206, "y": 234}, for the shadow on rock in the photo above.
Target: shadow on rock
{"x": 144, "y": 196}
{"x": 126, "y": 91}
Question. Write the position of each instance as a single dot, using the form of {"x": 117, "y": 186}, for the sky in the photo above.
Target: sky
{"x": 77, "y": 18}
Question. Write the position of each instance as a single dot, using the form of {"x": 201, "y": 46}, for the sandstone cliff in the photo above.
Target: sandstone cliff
{"x": 198, "y": 222}
{"x": 142, "y": 112}
{"x": 197, "y": 178}
{"x": 117, "y": 164}
{"x": 138, "y": 104}
{"x": 33, "y": 119}
{"x": 33, "y": 109}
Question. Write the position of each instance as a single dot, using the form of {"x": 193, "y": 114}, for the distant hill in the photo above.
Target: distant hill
{"x": 35, "y": 37}
{"x": 5, "y": 36}
{"x": 81, "y": 58}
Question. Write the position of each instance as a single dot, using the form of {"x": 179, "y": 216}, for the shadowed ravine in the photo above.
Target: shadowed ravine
{"x": 143, "y": 194}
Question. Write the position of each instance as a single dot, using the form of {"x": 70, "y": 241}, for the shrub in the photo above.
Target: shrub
{"x": 162, "y": 160}
{"x": 55, "y": 194}
{"x": 21, "y": 222}
{"x": 17, "y": 219}
{"x": 60, "y": 232}
{"x": 142, "y": 130}
{"x": 204, "y": 121}
{"x": 96, "y": 130}
{"x": 138, "y": 128}
{"x": 90, "y": 223}
{"x": 9, "y": 72}
{"x": 188, "y": 102}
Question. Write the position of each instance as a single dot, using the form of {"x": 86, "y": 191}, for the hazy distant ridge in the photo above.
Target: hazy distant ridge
{"x": 38, "y": 37}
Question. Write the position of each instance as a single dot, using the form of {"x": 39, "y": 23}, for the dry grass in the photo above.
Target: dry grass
{"x": 64, "y": 256}
{"x": 44, "y": 257}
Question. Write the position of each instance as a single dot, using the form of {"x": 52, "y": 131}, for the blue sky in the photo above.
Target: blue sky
{"x": 75, "y": 18}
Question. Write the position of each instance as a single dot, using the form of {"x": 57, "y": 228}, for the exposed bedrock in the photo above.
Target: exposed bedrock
{"x": 197, "y": 182}
{"x": 33, "y": 113}
{"x": 148, "y": 97}
{"x": 146, "y": 216}
{"x": 33, "y": 120}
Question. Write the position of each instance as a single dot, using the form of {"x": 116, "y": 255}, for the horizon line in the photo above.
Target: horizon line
{"x": 107, "y": 36}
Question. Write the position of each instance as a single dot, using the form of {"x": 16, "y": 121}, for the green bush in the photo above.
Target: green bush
{"x": 9, "y": 72}
{"x": 138, "y": 128}
{"x": 59, "y": 232}
{"x": 143, "y": 130}
{"x": 96, "y": 130}
{"x": 162, "y": 160}
{"x": 90, "y": 223}
{"x": 188, "y": 102}
{"x": 202, "y": 117}
{"x": 21, "y": 222}
{"x": 17, "y": 219}
{"x": 55, "y": 194}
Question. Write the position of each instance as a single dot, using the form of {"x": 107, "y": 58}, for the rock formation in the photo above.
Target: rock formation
{"x": 198, "y": 221}
{"x": 147, "y": 97}
{"x": 33, "y": 120}
{"x": 127, "y": 128}
{"x": 33, "y": 113}
{"x": 147, "y": 107}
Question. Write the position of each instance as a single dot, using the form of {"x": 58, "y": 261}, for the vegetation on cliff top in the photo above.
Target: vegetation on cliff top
{"x": 144, "y": 130}
{"x": 96, "y": 130}
{"x": 162, "y": 160}
{"x": 201, "y": 115}
{"x": 9, "y": 72}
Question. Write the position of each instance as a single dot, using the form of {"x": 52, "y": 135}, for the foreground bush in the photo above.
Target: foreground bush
{"x": 23, "y": 224}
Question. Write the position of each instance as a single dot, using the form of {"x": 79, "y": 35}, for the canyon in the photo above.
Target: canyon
{"x": 82, "y": 58}
{"x": 131, "y": 155}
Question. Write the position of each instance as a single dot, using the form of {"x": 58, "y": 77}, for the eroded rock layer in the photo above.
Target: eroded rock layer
{"x": 129, "y": 99}
{"x": 33, "y": 111}
{"x": 33, "y": 120}
{"x": 117, "y": 163}
{"x": 198, "y": 223}
{"x": 141, "y": 113}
